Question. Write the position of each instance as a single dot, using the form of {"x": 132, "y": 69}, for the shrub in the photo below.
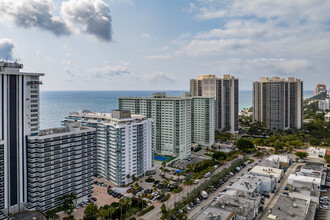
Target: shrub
{"x": 150, "y": 180}
{"x": 301, "y": 154}
{"x": 166, "y": 197}
{"x": 147, "y": 210}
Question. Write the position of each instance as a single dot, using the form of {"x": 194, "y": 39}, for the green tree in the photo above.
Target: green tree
{"x": 314, "y": 141}
{"x": 327, "y": 158}
{"x": 244, "y": 145}
{"x": 51, "y": 214}
{"x": 103, "y": 213}
{"x": 91, "y": 212}
{"x": 218, "y": 155}
{"x": 164, "y": 211}
{"x": 301, "y": 154}
{"x": 277, "y": 145}
{"x": 67, "y": 203}
{"x": 112, "y": 211}
{"x": 258, "y": 141}
{"x": 121, "y": 203}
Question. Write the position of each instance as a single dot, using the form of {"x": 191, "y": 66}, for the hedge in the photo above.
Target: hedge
{"x": 147, "y": 210}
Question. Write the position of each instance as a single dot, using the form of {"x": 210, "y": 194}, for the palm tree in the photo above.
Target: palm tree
{"x": 127, "y": 203}
{"x": 121, "y": 203}
{"x": 103, "y": 213}
{"x": 112, "y": 211}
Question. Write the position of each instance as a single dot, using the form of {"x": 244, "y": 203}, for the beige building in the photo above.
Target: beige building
{"x": 225, "y": 91}
{"x": 278, "y": 102}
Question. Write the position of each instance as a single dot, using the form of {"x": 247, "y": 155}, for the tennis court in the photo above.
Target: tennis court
{"x": 161, "y": 158}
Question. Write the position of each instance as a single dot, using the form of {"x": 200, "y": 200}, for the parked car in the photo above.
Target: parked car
{"x": 323, "y": 190}
{"x": 323, "y": 207}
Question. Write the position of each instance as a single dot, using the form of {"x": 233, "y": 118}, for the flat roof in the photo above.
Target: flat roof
{"x": 106, "y": 118}
{"x": 211, "y": 211}
{"x": 279, "y": 158}
{"x": 290, "y": 208}
{"x": 238, "y": 201}
{"x": 267, "y": 171}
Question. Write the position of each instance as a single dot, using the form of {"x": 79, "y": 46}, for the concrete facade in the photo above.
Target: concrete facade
{"x": 177, "y": 121}
{"x": 225, "y": 91}
{"x": 278, "y": 103}
{"x": 60, "y": 162}
{"x": 123, "y": 143}
{"x": 19, "y": 117}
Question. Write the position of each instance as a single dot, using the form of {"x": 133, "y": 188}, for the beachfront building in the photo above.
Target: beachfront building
{"x": 123, "y": 143}
{"x": 59, "y": 163}
{"x": 278, "y": 102}
{"x": 178, "y": 121}
{"x": 225, "y": 91}
{"x": 19, "y": 117}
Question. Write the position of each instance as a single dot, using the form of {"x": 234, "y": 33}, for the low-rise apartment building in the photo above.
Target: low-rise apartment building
{"x": 59, "y": 163}
{"x": 244, "y": 205}
{"x": 267, "y": 171}
{"x": 293, "y": 209}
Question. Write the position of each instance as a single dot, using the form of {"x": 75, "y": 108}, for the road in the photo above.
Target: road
{"x": 205, "y": 203}
{"x": 278, "y": 192}
{"x": 155, "y": 213}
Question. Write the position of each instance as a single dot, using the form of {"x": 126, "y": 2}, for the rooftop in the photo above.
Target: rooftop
{"x": 214, "y": 212}
{"x": 70, "y": 127}
{"x": 278, "y": 79}
{"x": 294, "y": 209}
{"x": 279, "y": 158}
{"x": 270, "y": 163}
{"x": 163, "y": 96}
{"x": 13, "y": 68}
{"x": 240, "y": 202}
{"x": 267, "y": 171}
{"x": 313, "y": 166}
{"x": 105, "y": 117}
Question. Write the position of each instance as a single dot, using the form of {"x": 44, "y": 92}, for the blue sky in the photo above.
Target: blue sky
{"x": 157, "y": 44}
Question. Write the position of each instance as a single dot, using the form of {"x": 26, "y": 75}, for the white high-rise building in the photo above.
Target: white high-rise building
{"x": 123, "y": 144}
{"x": 179, "y": 120}
{"x": 19, "y": 117}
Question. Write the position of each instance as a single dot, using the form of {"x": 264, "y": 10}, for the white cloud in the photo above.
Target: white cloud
{"x": 89, "y": 16}
{"x": 158, "y": 57}
{"x": 146, "y": 35}
{"x": 7, "y": 47}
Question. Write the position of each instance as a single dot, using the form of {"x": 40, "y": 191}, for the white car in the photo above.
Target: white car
{"x": 323, "y": 207}
{"x": 323, "y": 190}
{"x": 324, "y": 198}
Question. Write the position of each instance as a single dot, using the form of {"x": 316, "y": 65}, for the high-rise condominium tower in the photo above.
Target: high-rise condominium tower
{"x": 174, "y": 120}
{"x": 278, "y": 102}
{"x": 60, "y": 163}
{"x": 225, "y": 91}
{"x": 19, "y": 116}
{"x": 123, "y": 143}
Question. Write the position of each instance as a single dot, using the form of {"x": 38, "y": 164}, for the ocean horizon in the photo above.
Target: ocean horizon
{"x": 56, "y": 105}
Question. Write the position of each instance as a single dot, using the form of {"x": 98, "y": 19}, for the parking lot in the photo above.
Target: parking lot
{"x": 182, "y": 164}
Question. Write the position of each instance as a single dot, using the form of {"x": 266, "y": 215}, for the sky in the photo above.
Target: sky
{"x": 160, "y": 45}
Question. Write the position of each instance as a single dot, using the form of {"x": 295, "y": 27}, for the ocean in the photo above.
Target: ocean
{"x": 56, "y": 105}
